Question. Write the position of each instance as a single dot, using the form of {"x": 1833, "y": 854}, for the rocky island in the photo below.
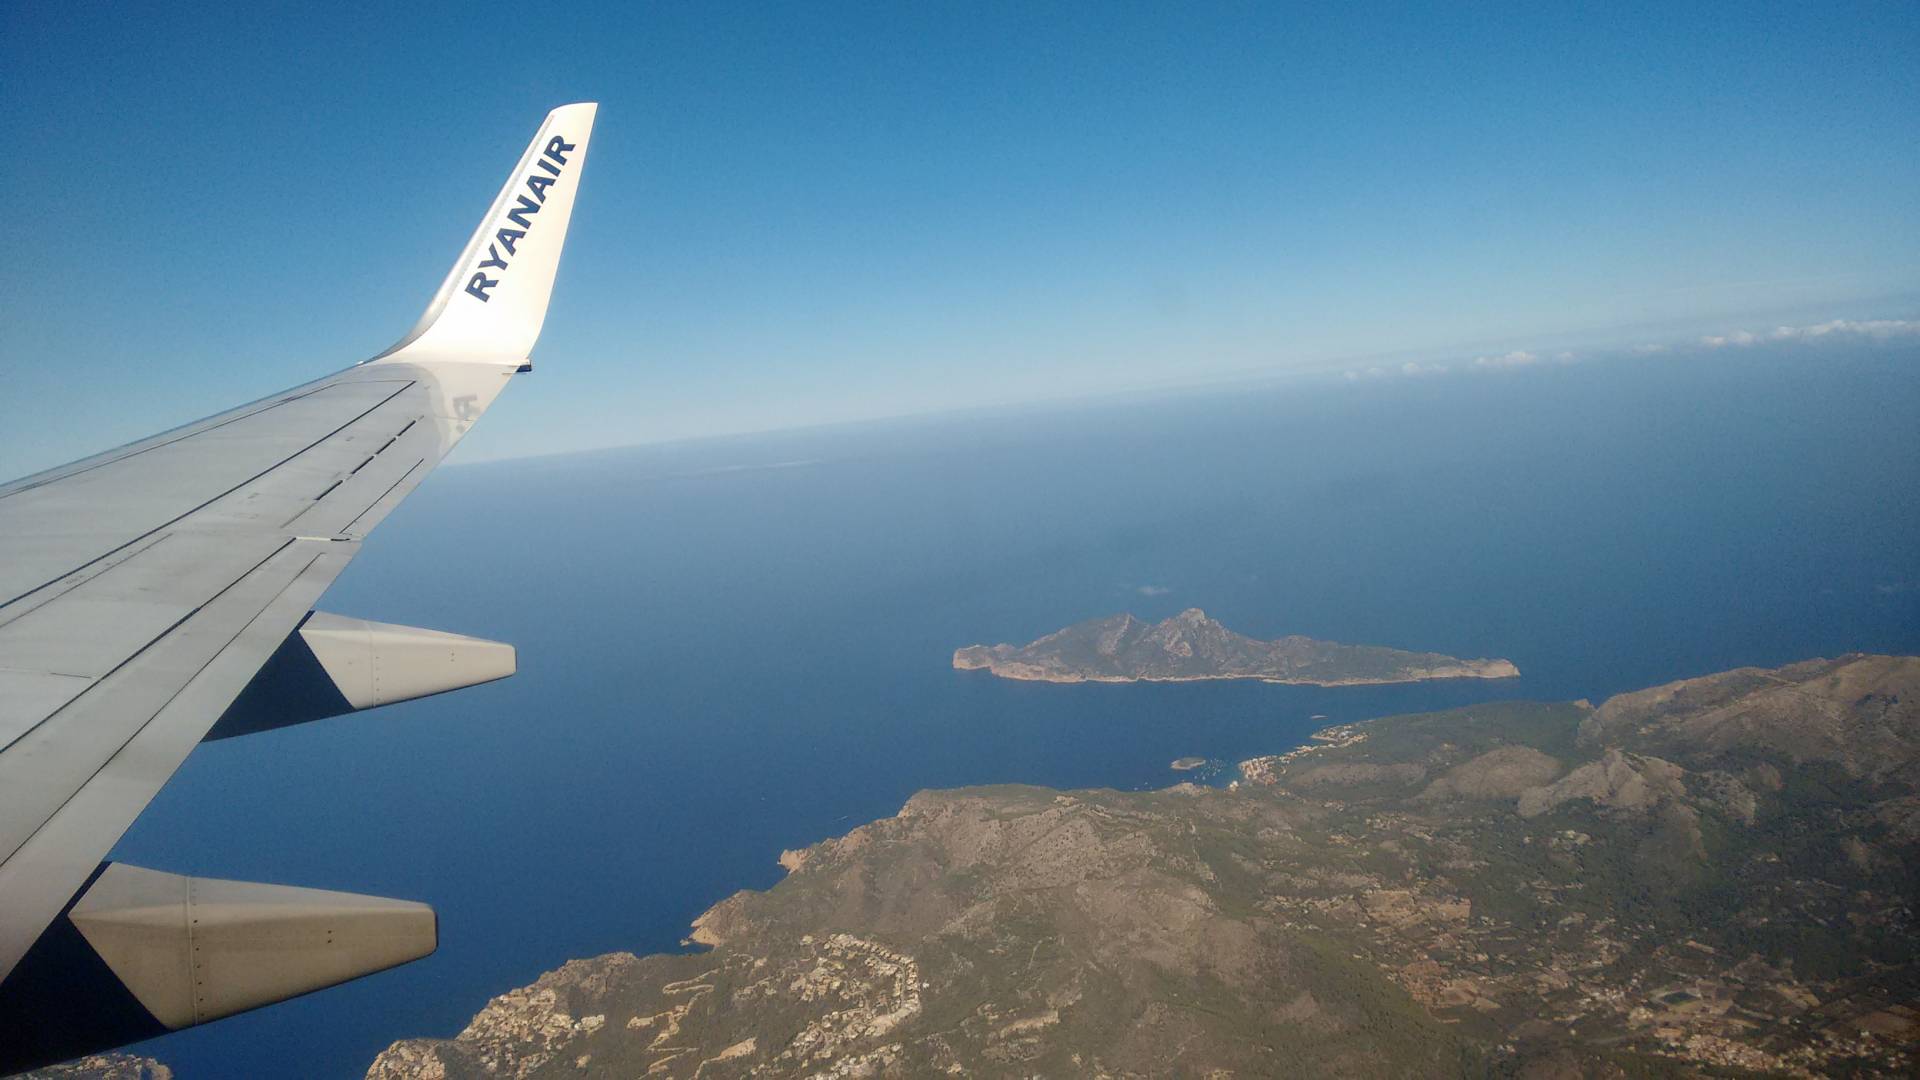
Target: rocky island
{"x": 1716, "y": 875}
{"x": 1192, "y": 646}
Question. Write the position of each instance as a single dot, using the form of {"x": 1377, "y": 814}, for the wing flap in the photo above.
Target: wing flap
{"x": 38, "y": 769}
{"x": 127, "y": 735}
{"x": 92, "y": 629}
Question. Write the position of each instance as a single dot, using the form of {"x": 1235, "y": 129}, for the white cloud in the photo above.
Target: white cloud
{"x": 1873, "y": 329}
{"x": 1516, "y": 358}
{"x": 1410, "y": 368}
{"x": 1835, "y": 329}
{"x": 1152, "y": 590}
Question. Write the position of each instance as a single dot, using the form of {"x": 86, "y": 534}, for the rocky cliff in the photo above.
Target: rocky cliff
{"x": 103, "y": 1067}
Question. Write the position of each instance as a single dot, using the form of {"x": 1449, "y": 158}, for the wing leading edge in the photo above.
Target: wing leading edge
{"x": 151, "y": 591}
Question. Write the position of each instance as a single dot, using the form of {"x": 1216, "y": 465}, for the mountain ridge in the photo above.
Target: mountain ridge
{"x": 1512, "y": 888}
{"x": 1191, "y": 646}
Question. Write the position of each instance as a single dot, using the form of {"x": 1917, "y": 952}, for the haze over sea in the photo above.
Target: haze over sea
{"x": 732, "y": 647}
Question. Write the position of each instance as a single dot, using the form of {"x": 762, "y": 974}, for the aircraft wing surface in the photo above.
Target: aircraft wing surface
{"x": 162, "y": 593}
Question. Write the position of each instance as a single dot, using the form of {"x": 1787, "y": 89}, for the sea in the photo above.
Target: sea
{"x": 731, "y": 647}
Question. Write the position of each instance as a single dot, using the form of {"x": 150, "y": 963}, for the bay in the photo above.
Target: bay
{"x": 731, "y": 647}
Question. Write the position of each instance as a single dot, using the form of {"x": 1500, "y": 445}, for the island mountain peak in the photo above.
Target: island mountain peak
{"x": 1191, "y": 645}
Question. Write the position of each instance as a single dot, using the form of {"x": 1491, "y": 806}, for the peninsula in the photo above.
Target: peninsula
{"x": 1191, "y": 646}
{"x": 1715, "y": 876}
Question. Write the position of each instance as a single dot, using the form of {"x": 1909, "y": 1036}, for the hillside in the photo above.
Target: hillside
{"x": 1707, "y": 874}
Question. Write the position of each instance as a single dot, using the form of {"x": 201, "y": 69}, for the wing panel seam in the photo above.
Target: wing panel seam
{"x": 383, "y": 495}
{"x": 137, "y": 653}
{"x": 209, "y": 502}
{"x": 266, "y": 406}
{"x": 131, "y": 555}
{"x": 108, "y": 759}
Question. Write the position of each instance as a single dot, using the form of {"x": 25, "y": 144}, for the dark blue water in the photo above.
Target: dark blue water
{"x": 718, "y": 661}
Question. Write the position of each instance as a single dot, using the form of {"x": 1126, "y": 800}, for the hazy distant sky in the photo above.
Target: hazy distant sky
{"x": 824, "y": 211}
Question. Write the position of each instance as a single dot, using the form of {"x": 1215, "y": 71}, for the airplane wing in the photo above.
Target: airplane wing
{"x": 162, "y": 593}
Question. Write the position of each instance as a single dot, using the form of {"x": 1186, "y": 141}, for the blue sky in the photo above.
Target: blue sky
{"x": 817, "y": 213}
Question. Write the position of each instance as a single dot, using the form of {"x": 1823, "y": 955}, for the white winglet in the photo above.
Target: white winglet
{"x": 490, "y": 308}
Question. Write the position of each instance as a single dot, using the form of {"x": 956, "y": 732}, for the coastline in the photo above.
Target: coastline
{"x": 1494, "y": 669}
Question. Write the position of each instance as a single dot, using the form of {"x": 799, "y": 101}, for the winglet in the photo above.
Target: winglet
{"x": 491, "y": 306}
